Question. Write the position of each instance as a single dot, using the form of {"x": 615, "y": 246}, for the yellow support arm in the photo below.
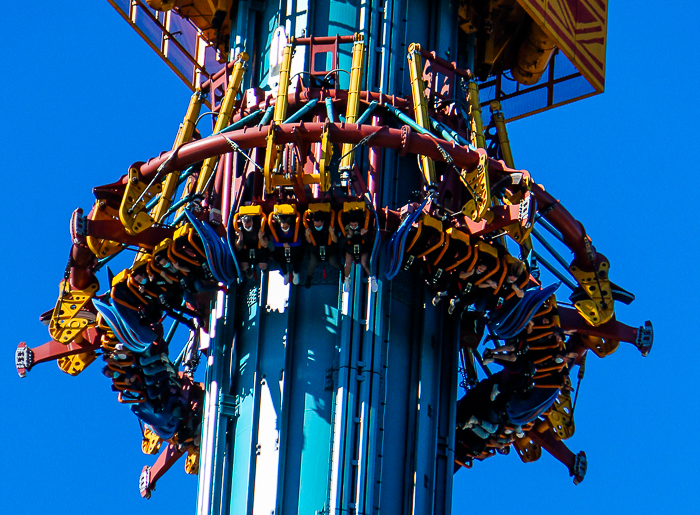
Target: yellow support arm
{"x": 131, "y": 211}
{"x": 420, "y": 106}
{"x": 67, "y": 321}
{"x": 477, "y": 182}
{"x": 325, "y": 161}
{"x": 353, "y": 108}
{"x": 561, "y": 416}
{"x": 283, "y": 89}
{"x": 73, "y": 365}
{"x": 600, "y": 306}
{"x": 518, "y": 232}
{"x": 183, "y": 136}
{"x": 225, "y": 113}
{"x": 500, "y": 122}
{"x": 280, "y": 115}
{"x": 477, "y": 124}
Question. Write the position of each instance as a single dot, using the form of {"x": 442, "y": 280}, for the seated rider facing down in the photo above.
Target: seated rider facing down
{"x": 356, "y": 245}
{"x": 322, "y": 239}
{"x": 251, "y": 243}
{"x": 286, "y": 239}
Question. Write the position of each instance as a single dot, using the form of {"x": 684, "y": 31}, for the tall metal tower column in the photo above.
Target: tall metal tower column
{"x": 337, "y": 402}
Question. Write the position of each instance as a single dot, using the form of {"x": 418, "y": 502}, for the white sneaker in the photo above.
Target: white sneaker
{"x": 373, "y": 284}
{"x": 286, "y": 279}
{"x": 295, "y": 278}
{"x": 346, "y": 285}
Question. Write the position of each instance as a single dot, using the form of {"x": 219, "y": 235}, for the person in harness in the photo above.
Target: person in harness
{"x": 251, "y": 244}
{"x": 288, "y": 251}
{"x": 322, "y": 238}
{"x": 356, "y": 244}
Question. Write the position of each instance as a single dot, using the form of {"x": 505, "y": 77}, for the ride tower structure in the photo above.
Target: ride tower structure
{"x": 335, "y": 364}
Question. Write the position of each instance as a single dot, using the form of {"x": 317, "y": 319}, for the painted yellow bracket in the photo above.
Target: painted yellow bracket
{"x": 528, "y": 450}
{"x": 73, "y": 365}
{"x": 183, "y": 136}
{"x": 477, "y": 124}
{"x": 66, "y": 322}
{"x": 499, "y": 120}
{"x": 325, "y": 161}
{"x": 132, "y": 211}
{"x": 151, "y": 442}
{"x": 477, "y": 181}
{"x": 420, "y": 105}
{"x": 224, "y": 117}
{"x": 103, "y": 248}
{"x": 561, "y": 417}
{"x": 271, "y": 161}
{"x": 600, "y": 307}
{"x": 599, "y": 346}
{"x": 520, "y": 233}
{"x": 192, "y": 462}
{"x": 353, "y": 108}
{"x": 273, "y": 150}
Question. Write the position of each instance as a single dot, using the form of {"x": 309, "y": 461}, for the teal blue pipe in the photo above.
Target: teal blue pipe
{"x": 184, "y": 175}
{"x": 370, "y": 108}
{"x": 551, "y": 249}
{"x": 573, "y": 286}
{"x": 267, "y": 117}
{"x": 329, "y": 109}
{"x": 243, "y": 121}
{"x": 405, "y": 119}
{"x": 449, "y": 134}
{"x": 301, "y": 112}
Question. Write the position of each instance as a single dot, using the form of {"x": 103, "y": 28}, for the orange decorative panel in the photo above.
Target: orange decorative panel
{"x": 579, "y": 28}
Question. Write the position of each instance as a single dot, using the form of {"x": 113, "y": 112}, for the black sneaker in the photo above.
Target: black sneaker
{"x": 307, "y": 283}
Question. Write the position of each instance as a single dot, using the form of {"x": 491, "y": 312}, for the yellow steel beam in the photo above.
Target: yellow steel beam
{"x": 272, "y": 150}
{"x": 283, "y": 89}
{"x": 420, "y": 106}
{"x": 477, "y": 124}
{"x": 183, "y": 136}
{"x": 500, "y": 122}
{"x": 325, "y": 160}
{"x": 225, "y": 114}
{"x": 353, "y": 108}
{"x": 518, "y": 232}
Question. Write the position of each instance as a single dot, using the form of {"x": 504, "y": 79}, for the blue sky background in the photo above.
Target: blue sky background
{"x": 84, "y": 97}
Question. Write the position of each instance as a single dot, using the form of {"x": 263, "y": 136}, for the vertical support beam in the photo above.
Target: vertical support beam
{"x": 425, "y": 450}
{"x": 279, "y": 115}
{"x": 477, "y": 123}
{"x": 499, "y": 120}
{"x": 213, "y": 428}
{"x": 446, "y": 418}
{"x": 353, "y": 107}
{"x": 224, "y": 117}
{"x": 183, "y": 136}
{"x": 420, "y": 107}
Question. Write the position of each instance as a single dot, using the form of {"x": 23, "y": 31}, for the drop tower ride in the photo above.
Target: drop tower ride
{"x": 340, "y": 388}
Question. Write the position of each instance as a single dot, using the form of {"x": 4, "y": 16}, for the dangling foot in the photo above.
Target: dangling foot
{"x": 286, "y": 279}
{"x": 346, "y": 285}
{"x": 373, "y": 284}
{"x": 494, "y": 392}
{"x": 307, "y": 283}
{"x": 295, "y": 278}
{"x": 249, "y": 273}
{"x": 453, "y": 305}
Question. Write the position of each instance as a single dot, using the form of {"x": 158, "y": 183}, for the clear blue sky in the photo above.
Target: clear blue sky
{"x": 83, "y": 97}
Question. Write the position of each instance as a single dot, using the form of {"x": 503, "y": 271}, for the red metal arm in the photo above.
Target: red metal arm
{"x": 149, "y": 475}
